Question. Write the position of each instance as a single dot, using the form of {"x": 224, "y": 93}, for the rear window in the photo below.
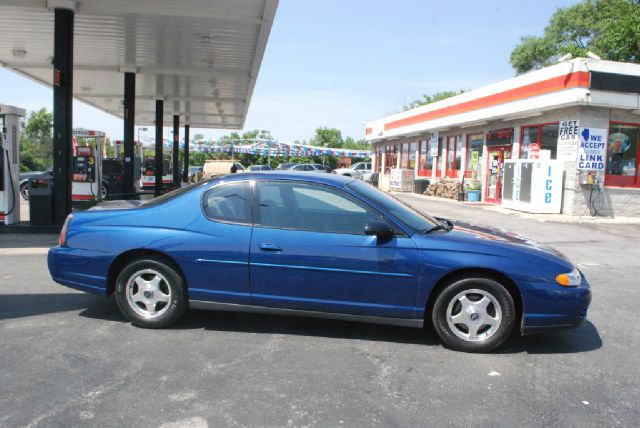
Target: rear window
{"x": 167, "y": 196}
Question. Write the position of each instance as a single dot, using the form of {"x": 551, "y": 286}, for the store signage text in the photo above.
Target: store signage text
{"x": 592, "y": 149}
{"x": 548, "y": 187}
{"x": 568, "y": 140}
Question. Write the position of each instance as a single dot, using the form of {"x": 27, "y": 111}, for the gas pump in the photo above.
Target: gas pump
{"x": 138, "y": 155}
{"x": 10, "y": 163}
{"x": 87, "y": 167}
{"x": 148, "y": 180}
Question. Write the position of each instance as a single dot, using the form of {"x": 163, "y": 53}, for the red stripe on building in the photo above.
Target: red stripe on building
{"x": 368, "y": 131}
{"x": 579, "y": 79}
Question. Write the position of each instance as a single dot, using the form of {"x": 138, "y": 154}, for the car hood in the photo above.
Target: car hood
{"x": 471, "y": 232}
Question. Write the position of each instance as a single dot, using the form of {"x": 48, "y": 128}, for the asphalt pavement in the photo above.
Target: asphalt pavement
{"x": 70, "y": 359}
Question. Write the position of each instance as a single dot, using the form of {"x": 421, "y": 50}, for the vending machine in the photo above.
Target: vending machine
{"x": 533, "y": 186}
{"x": 10, "y": 118}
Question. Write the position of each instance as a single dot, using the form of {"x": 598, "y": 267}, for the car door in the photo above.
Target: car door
{"x": 219, "y": 250}
{"x": 309, "y": 252}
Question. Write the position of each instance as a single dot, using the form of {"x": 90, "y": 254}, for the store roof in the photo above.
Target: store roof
{"x": 201, "y": 57}
{"x": 577, "y": 82}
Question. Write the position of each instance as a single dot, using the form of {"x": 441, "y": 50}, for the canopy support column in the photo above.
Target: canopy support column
{"x": 159, "y": 156}
{"x": 62, "y": 113}
{"x": 185, "y": 176}
{"x": 176, "y": 150}
{"x": 129, "y": 123}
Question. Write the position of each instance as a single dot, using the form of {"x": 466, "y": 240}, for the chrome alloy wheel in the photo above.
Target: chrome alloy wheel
{"x": 148, "y": 293}
{"x": 474, "y": 315}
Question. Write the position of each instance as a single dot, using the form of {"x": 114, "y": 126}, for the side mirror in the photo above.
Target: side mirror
{"x": 379, "y": 229}
{"x": 446, "y": 222}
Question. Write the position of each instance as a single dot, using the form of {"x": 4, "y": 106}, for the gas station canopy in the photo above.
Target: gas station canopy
{"x": 201, "y": 57}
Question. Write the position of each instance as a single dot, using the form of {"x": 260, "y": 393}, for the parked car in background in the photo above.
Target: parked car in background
{"x": 214, "y": 168}
{"x": 24, "y": 181}
{"x": 260, "y": 168}
{"x": 112, "y": 179}
{"x": 309, "y": 167}
{"x": 316, "y": 245}
{"x": 285, "y": 166}
{"x": 357, "y": 170}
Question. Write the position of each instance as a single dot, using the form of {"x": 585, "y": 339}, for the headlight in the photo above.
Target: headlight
{"x": 571, "y": 279}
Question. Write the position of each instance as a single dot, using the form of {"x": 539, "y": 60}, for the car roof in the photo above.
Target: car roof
{"x": 331, "y": 179}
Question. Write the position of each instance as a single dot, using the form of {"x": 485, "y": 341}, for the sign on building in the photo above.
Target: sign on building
{"x": 592, "y": 149}
{"x": 568, "y": 140}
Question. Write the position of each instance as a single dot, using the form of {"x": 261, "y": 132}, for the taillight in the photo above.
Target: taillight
{"x": 62, "y": 239}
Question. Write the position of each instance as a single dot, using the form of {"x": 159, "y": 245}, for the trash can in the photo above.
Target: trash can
{"x": 419, "y": 186}
{"x": 41, "y": 200}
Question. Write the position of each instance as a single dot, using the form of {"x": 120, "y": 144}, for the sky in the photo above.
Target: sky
{"x": 340, "y": 63}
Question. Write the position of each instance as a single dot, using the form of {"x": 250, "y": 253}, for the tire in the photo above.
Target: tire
{"x": 484, "y": 325}
{"x": 24, "y": 191}
{"x": 104, "y": 191}
{"x": 164, "y": 292}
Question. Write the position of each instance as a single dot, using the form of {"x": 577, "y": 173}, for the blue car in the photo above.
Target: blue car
{"x": 320, "y": 245}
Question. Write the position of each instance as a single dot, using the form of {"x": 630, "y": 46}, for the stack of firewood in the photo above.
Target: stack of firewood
{"x": 444, "y": 188}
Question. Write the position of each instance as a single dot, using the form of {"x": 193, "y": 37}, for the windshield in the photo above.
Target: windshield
{"x": 413, "y": 219}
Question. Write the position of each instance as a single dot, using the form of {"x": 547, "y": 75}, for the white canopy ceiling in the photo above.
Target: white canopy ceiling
{"x": 201, "y": 57}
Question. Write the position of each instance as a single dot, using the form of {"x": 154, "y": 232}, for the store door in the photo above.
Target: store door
{"x": 495, "y": 168}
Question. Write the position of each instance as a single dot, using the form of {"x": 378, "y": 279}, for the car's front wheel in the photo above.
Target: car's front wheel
{"x": 150, "y": 293}
{"x": 474, "y": 315}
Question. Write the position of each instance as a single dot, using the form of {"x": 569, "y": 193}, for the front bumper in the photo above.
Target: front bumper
{"x": 549, "y": 306}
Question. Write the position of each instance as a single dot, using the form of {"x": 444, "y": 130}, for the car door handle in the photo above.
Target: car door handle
{"x": 270, "y": 247}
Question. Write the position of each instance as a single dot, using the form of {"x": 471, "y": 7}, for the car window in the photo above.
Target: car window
{"x": 229, "y": 202}
{"x": 415, "y": 220}
{"x": 360, "y": 166}
{"x": 310, "y": 207}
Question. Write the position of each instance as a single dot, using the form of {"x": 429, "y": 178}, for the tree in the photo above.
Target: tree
{"x": 608, "y": 28}
{"x": 327, "y": 137}
{"x": 428, "y": 99}
{"x": 36, "y": 141}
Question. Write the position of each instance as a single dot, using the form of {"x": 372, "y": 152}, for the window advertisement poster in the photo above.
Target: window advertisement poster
{"x": 592, "y": 149}
{"x": 568, "y": 140}
{"x": 433, "y": 145}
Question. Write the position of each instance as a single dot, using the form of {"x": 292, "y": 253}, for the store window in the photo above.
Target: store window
{"x": 454, "y": 155}
{"x": 539, "y": 141}
{"x": 428, "y": 162}
{"x": 412, "y": 156}
{"x": 423, "y": 156}
{"x": 474, "y": 155}
{"x": 622, "y": 155}
{"x": 404, "y": 161}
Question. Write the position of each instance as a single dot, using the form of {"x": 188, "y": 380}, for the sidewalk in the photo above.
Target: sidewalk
{"x": 456, "y": 208}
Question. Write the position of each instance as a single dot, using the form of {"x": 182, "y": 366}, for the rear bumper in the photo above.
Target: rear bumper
{"x": 550, "y": 306}
{"x": 83, "y": 270}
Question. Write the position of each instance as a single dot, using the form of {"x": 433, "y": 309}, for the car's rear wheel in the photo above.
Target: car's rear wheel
{"x": 474, "y": 315}
{"x": 24, "y": 191}
{"x": 104, "y": 191}
{"x": 150, "y": 293}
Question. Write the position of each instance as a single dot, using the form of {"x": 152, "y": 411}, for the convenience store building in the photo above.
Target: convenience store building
{"x": 556, "y": 113}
